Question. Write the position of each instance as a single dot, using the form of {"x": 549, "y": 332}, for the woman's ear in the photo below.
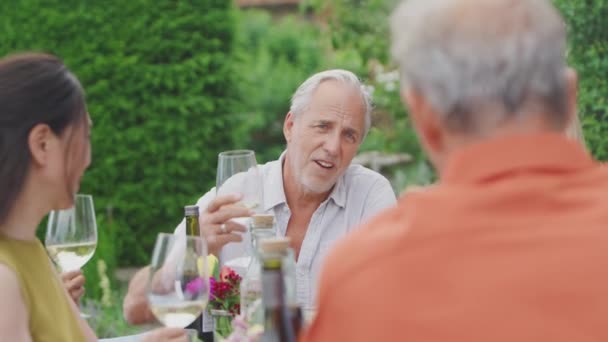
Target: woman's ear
{"x": 40, "y": 141}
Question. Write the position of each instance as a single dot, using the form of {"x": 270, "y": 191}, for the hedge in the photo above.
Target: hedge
{"x": 160, "y": 89}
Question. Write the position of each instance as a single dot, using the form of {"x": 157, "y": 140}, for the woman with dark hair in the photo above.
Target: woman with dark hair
{"x": 44, "y": 151}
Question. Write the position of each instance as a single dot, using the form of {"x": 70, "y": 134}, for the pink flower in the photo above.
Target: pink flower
{"x": 222, "y": 290}
{"x": 234, "y": 278}
{"x": 229, "y": 275}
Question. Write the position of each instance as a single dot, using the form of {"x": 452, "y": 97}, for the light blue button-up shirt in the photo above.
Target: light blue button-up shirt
{"x": 358, "y": 194}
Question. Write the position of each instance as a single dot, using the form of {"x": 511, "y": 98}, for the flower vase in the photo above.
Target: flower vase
{"x": 222, "y": 322}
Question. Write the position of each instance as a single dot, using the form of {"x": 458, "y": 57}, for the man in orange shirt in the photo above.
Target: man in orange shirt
{"x": 512, "y": 243}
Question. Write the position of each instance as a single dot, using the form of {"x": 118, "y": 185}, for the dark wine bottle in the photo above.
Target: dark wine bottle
{"x": 278, "y": 318}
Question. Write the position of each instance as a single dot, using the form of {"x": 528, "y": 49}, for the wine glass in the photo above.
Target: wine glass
{"x": 178, "y": 285}
{"x": 237, "y": 172}
{"x": 71, "y": 234}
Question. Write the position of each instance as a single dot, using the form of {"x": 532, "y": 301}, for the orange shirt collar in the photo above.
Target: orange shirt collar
{"x": 496, "y": 157}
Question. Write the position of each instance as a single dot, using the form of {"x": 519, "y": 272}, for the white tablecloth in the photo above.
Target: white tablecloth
{"x": 130, "y": 338}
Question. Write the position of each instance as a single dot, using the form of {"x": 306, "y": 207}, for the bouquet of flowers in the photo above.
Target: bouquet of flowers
{"x": 225, "y": 291}
{"x": 224, "y": 298}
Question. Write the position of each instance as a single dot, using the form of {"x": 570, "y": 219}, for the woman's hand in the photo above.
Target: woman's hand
{"x": 73, "y": 281}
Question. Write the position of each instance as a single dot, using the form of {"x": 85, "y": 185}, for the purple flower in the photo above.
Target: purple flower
{"x": 195, "y": 286}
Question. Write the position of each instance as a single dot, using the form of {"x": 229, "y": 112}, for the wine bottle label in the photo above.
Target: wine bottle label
{"x": 272, "y": 289}
{"x": 207, "y": 321}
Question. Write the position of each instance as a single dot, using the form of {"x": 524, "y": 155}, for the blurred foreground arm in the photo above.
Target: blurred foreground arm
{"x": 135, "y": 305}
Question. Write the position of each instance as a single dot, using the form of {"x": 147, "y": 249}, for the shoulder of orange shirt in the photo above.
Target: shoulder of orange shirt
{"x": 416, "y": 188}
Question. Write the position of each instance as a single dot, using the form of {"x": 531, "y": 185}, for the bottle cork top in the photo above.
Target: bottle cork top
{"x": 191, "y": 210}
{"x": 277, "y": 244}
{"x": 262, "y": 220}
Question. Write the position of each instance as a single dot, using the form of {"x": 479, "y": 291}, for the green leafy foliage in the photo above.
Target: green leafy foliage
{"x": 273, "y": 59}
{"x": 588, "y": 55}
{"x": 159, "y": 82}
{"x": 359, "y": 25}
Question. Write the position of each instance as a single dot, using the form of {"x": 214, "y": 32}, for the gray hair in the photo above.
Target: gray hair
{"x": 302, "y": 96}
{"x": 465, "y": 56}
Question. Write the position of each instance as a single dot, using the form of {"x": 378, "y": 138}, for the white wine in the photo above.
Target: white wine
{"x": 71, "y": 256}
{"x": 176, "y": 313}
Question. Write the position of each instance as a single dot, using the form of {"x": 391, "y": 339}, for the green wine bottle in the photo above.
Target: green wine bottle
{"x": 191, "y": 216}
{"x": 203, "y": 323}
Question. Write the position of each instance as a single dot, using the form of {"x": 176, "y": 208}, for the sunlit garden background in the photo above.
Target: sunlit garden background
{"x": 170, "y": 84}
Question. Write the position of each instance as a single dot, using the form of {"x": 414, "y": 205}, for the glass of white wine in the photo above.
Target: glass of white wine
{"x": 178, "y": 286}
{"x": 71, "y": 235}
{"x": 238, "y": 172}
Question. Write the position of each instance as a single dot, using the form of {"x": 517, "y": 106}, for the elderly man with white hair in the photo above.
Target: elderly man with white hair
{"x": 512, "y": 243}
{"x": 316, "y": 195}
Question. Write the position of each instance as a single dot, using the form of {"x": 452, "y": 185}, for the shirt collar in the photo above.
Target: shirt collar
{"x": 274, "y": 193}
{"x": 543, "y": 152}
{"x": 338, "y": 194}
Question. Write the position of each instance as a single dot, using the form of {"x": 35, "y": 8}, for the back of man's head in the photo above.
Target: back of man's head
{"x": 480, "y": 63}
